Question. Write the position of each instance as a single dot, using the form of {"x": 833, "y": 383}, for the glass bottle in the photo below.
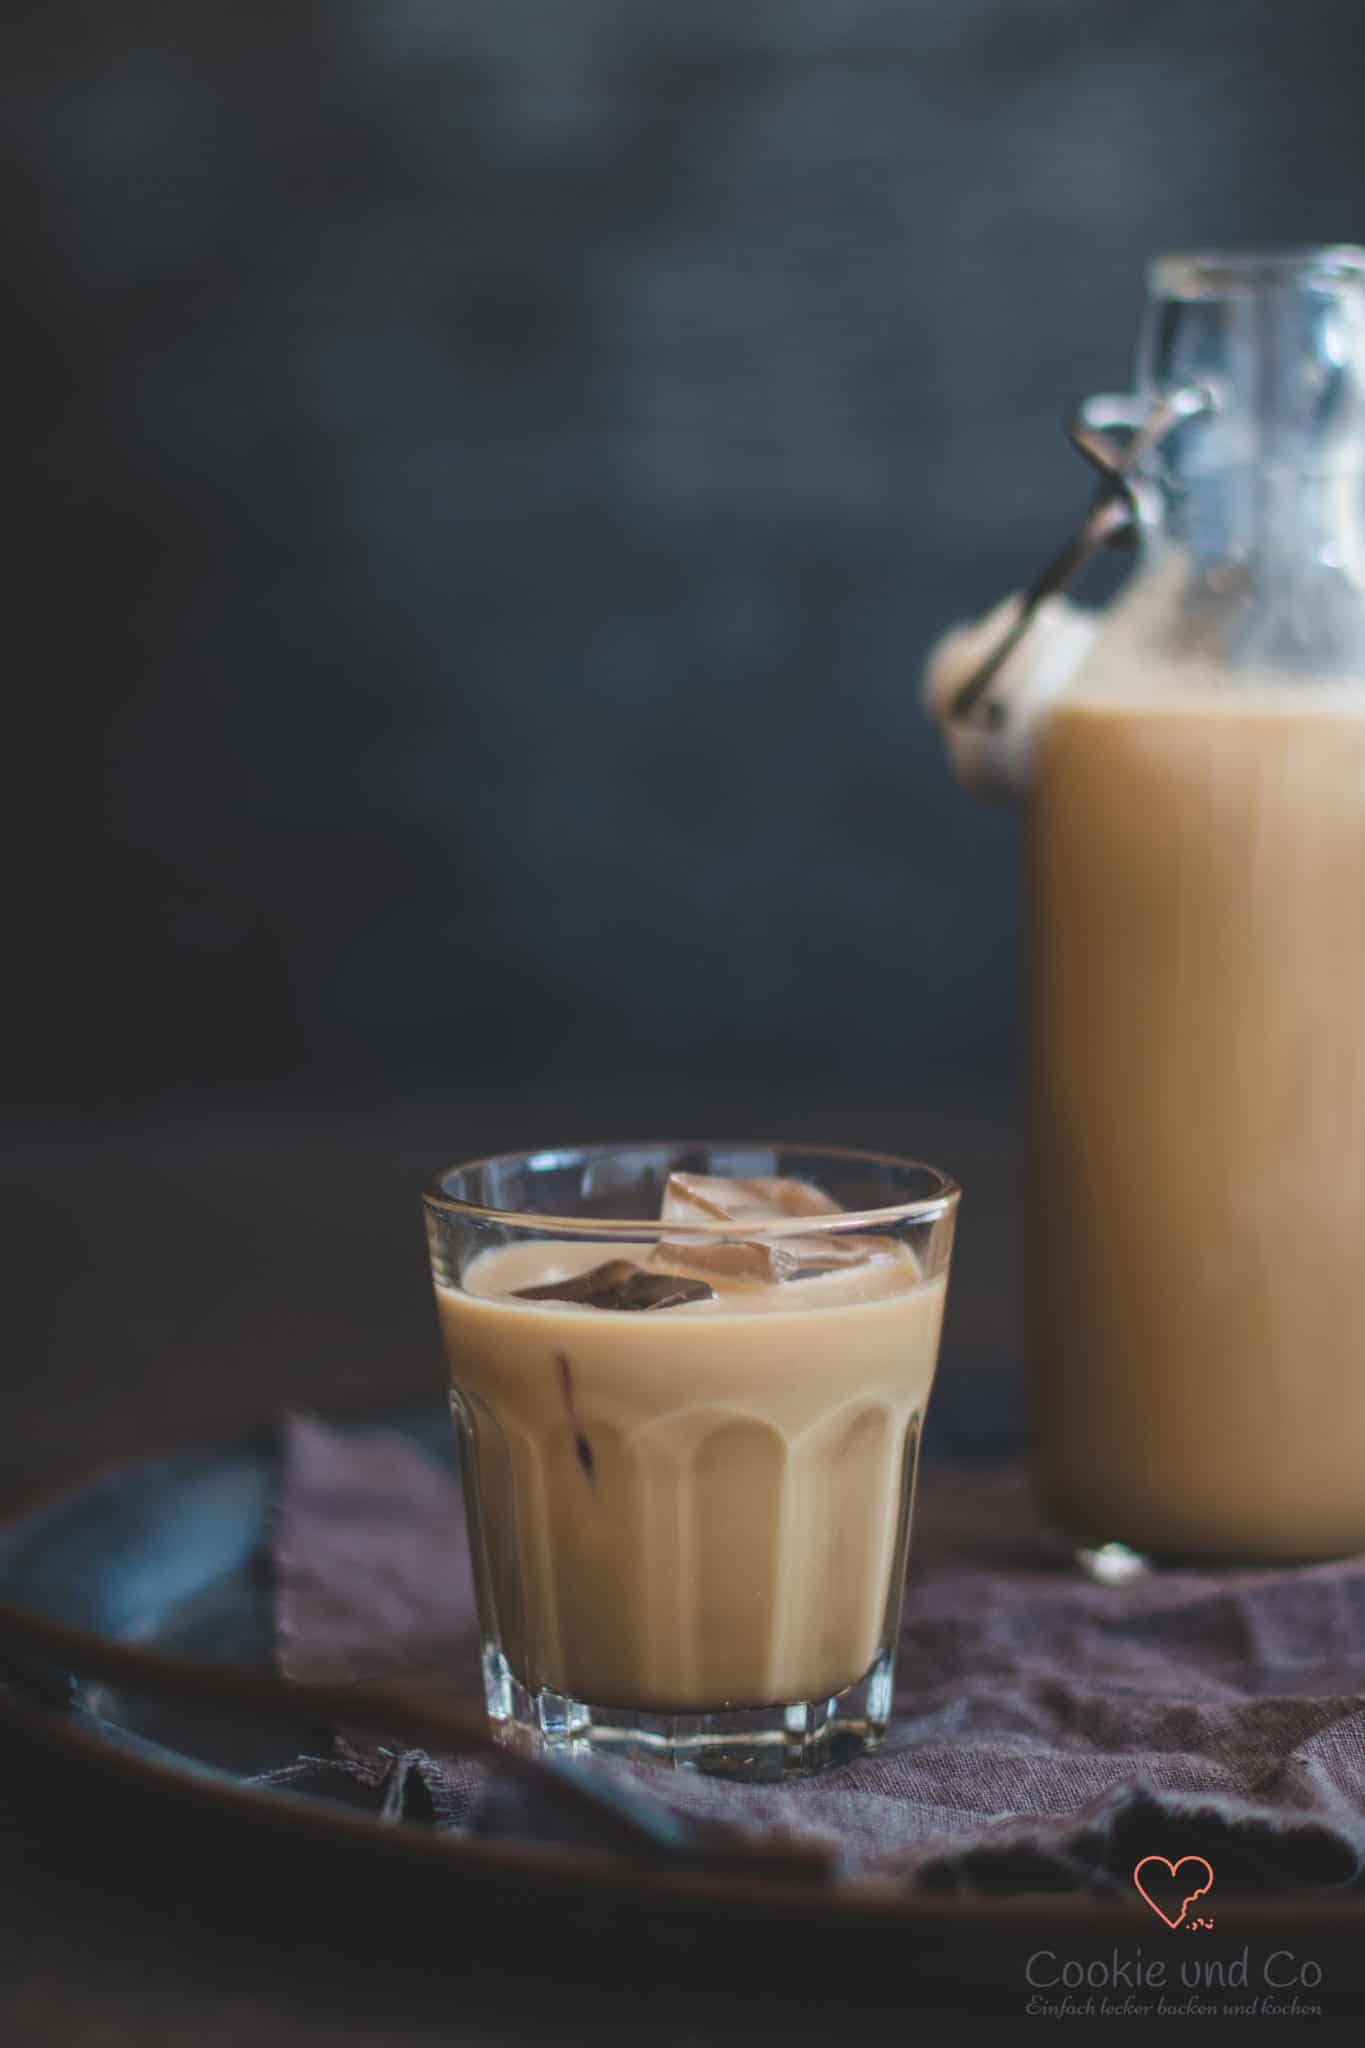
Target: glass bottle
{"x": 1197, "y": 908}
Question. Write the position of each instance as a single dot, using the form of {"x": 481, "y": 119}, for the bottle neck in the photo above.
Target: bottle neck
{"x": 1254, "y": 508}
{"x": 1278, "y": 339}
{"x": 1304, "y": 527}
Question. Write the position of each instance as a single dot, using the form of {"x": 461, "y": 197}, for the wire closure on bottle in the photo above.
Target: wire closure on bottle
{"x": 1121, "y": 505}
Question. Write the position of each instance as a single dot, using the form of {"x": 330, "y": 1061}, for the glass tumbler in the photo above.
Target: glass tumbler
{"x": 689, "y": 1446}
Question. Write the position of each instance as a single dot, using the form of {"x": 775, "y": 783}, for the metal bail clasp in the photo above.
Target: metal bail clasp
{"x": 1120, "y": 506}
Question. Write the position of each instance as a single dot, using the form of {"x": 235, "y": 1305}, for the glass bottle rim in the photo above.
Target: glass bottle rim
{"x": 1222, "y": 273}
{"x": 918, "y": 1209}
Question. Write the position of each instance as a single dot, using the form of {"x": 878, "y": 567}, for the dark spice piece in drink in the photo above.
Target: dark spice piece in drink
{"x": 617, "y": 1284}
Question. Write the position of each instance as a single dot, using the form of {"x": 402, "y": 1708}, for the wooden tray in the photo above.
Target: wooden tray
{"x": 173, "y": 1554}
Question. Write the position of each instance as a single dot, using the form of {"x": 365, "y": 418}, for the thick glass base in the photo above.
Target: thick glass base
{"x": 747, "y": 1742}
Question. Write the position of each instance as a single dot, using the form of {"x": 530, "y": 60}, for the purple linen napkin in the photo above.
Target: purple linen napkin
{"x": 1047, "y": 1731}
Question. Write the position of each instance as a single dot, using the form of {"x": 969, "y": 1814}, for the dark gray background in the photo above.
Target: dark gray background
{"x": 481, "y": 478}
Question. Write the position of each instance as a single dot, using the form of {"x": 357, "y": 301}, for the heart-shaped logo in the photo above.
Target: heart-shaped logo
{"x": 1156, "y": 1864}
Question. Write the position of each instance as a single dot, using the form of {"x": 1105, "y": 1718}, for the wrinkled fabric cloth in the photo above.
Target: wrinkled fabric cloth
{"x": 1047, "y": 1731}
